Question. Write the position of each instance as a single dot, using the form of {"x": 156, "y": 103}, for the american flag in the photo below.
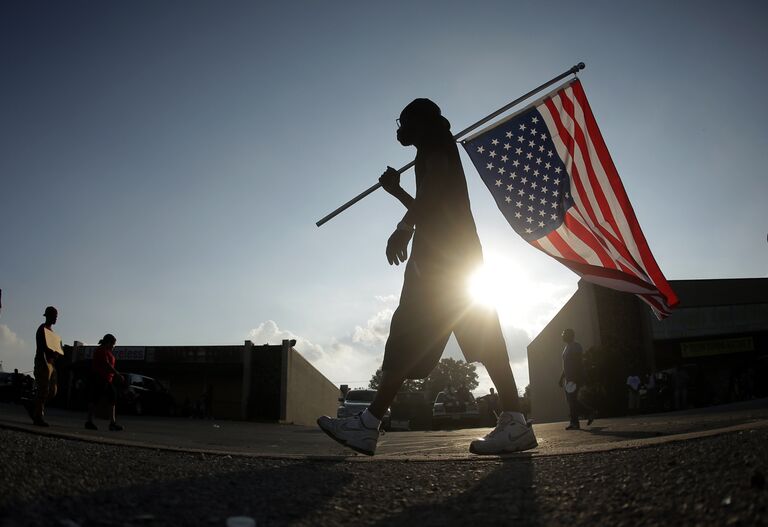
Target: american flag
{"x": 551, "y": 175}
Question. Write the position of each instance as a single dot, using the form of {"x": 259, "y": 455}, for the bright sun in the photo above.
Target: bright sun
{"x": 481, "y": 287}
{"x": 501, "y": 284}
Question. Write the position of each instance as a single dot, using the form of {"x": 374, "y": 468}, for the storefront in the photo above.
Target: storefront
{"x": 249, "y": 382}
{"x": 713, "y": 349}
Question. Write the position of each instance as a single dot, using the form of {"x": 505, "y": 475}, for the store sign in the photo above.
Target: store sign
{"x": 706, "y": 348}
{"x": 120, "y": 352}
{"x": 195, "y": 354}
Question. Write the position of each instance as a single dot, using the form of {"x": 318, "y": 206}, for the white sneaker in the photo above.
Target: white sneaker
{"x": 508, "y": 436}
{"x": 351, "y": 432}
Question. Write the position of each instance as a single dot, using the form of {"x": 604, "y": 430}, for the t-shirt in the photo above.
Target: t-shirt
{"x": 633, "y": 381}
{"x": 572, "y": 362}
{"x": 446, "y": 239}
{"x": 101, "y": 358}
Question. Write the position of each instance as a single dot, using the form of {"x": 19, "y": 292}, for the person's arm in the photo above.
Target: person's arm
{"x": 397, "y": 244}
{"x": 390, "y": 181}
{"x": 114, "y": 370}
{"x": 418, "y": 207}
{"x": 40, "y": 339}
{"x": 562, "y": 379}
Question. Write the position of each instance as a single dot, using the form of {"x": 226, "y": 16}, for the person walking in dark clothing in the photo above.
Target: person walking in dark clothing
{"x": 16, "y": 385}
{"x": 101, "y": 382}
{"x": 48, "y": 346}
{"x": 435, "y": 300}
{"x": 572, "y": 379}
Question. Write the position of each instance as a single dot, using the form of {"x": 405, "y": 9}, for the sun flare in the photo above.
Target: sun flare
{"x": 481, "y": 287}
{"x": 501, "y": 284}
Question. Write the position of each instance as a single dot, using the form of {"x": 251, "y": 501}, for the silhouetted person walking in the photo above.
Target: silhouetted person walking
{"x": 16, "y": 381}
{"x": 435, "y": 301}
{"x": 681, "y": 388}
{"x": 101, "y": 382}
{"x": 572, "y": 379}
{"x": 493, "y": 402}
{"x": 633, "y": 392}
{"x": 47, "y": 347}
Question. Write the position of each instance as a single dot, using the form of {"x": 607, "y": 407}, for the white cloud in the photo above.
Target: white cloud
{"x": 349, "y": 359}
{"x": 376, "y": 329}
{"x": 269, "y": 333}
{"x": 14, "y": 351}
{"x": 353, "y": 358}
{"x": 517, "y": 343}
{"x": 388, "y": 300}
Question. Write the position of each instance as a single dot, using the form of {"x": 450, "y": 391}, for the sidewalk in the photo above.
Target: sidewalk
{"x": 298, "y": 442}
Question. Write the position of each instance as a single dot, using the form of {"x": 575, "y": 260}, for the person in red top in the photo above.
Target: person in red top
{"x": 101, "y": 381}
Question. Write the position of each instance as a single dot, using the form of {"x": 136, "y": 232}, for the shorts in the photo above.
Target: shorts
{"x": 431, "y": 309}
{"x": 46, "y": 379}
{"x": 100, "y": 388}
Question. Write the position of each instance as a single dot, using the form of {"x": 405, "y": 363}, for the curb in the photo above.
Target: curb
{"x": 563, "y": 451}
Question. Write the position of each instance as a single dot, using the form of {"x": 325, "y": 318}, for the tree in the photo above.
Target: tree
{"x": 448, "y": 372}
{"x": 451, "y": 372}
{"x": 410, "y": 385}
{"x": 525, "y": 401}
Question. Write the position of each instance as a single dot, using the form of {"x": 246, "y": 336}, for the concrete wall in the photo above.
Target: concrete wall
{"x": 545, "y": 353}
{"x": 306, "y": 394}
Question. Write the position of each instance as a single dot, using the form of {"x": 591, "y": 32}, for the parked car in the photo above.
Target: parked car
{"x": 451, "y": 410}
{"x": 144, "y": 395}
{"x": 411, "y": 411}
{"x": 7, "y": 389}
{"x": 355, "y": 401}
{"x": 22, "y": 389}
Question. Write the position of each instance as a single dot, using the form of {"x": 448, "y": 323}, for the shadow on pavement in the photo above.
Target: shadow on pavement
{"x": 276, "y": 495}
{"x": 639, "y": 434}
{"x": 507, "y": 492}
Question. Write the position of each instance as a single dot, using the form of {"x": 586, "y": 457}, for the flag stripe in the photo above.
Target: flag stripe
{"x": 619, "y": 217}
{"x": 607, "y": 277}
{"x": 583, "y": 163}
{"x": 565, "y": 248}
{"x": 543, "y": 244}
{"x": 596, "y": 224}
{"x": 636, "y": 236}
{"x": 584, "y": 235}
{"x": 616, "y": 260}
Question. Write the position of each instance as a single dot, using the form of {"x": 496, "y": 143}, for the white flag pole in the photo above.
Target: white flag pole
{"x": 572, "y": 71}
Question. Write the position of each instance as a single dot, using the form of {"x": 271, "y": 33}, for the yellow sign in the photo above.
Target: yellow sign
{"x": 706, "y": 348}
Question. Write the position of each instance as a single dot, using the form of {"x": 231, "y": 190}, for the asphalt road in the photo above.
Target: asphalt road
{"x": 707, "y": 468}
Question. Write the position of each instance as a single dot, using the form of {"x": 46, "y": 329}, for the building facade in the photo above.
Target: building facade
{"x": 713, "y": 349}
{"x": 242, "y": 382}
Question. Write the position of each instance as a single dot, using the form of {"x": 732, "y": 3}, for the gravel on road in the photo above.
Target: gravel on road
{"x": 717, "y": 480}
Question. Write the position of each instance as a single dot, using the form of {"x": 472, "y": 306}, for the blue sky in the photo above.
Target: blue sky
{"x": 163, "y": 163}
